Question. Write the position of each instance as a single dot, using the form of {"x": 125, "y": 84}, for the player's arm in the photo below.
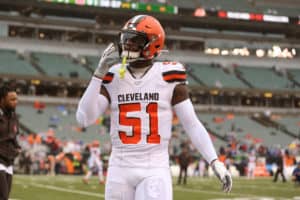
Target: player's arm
{"x": 93, "y": 103}
{"x": 186, "y": 114}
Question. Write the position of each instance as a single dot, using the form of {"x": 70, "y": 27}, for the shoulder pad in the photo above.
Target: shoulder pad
{"x": 173, "y": 72}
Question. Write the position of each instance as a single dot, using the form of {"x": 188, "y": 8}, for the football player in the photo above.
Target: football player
{"x": 94, "y": 163}
{"x": 142, "y": 95}
{"x": 251, "y": 165}
{"x": 9, "y": 130}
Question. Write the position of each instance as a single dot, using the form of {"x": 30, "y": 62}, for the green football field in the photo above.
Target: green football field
{"x": 72, "y": 188}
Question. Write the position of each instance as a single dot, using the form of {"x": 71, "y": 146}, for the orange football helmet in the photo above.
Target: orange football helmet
{"x": 142, "y": 37}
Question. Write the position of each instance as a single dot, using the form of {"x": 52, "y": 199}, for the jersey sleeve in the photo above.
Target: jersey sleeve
{"x": 111, "y": 74}
{"x": 108, "y": 78}
{"x": 174, "y": 72}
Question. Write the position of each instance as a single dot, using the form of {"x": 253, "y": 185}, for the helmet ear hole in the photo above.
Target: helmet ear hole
{"x": 157, "y": 46}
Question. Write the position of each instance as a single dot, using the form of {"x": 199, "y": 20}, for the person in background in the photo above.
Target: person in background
{"x": 289, "y": 160}
{"x": 296, "y": 175}
{"x": 94, "y": 163}
{"x": 9, "y": 130}
{"x": 184, "y": 160}
{"x": 280, "y": 167}
{"x": 251, "y": 165}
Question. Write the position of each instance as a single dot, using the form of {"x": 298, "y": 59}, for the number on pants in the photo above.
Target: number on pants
{"x": 153, "y": 137}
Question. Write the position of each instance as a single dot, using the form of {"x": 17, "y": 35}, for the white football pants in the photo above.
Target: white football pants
{"x": 138, "y": 184}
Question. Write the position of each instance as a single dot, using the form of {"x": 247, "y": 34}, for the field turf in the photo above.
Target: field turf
{"x": 71, "y": 188}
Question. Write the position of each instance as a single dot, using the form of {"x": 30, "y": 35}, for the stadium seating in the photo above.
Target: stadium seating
{"x": 92, "y": 61}
{"x": 243, "y": 128}
{"x": 199, "y": 74}
{"x": 60, "y": 65}
{"x": 292, "y": 123}
{"x": 264, "y": 78}
{"x": 214, "y": 76}
{"x": 295, "y": 74}
{"x": 61, "y": 120}
{"x": 11, "y": 63}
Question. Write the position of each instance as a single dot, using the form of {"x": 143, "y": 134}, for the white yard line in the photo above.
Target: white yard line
{"x": 242, "y": 196}
{"x": 211, "y": 192}
{"x": 51, "y": 187}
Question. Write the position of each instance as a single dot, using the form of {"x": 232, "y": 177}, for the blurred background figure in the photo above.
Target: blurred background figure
{"x": 184, "y": 160}
{"x": 95, "y": 163}
{"x": 296, "y": 175}
{"x": 251, "y": 165}
{"x": 201, "y": 168}
{"x": 280, "y": 167}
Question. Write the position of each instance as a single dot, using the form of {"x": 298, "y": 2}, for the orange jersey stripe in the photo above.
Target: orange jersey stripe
{"x": 108, "y": 78}
{"x": 174, "y": 76}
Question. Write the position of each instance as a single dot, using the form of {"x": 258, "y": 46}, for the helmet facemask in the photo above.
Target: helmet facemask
{"x": 132, "y": 45}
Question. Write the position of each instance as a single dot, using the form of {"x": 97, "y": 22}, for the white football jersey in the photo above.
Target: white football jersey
{"x": 95, "y": 159}
{"x": 141, "y": 114}
{"x": 95, "y": 152}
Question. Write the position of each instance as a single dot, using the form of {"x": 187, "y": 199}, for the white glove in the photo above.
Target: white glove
{"x": 106, "y": 61}
{"x": 222, "y": 173}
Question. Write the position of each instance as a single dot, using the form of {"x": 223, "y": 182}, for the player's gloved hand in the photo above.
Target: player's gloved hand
{"x": 222, "y": 173}
{"x": 106, "y": 61}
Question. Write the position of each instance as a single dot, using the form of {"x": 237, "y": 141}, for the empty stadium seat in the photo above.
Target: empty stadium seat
{"x": 244, "y": 128}
{"x": 60, "y": 65}
{"x": 10, "y": 63}
{"x": 215, "y": 76}
{"x": 62, "y": 121}
{"x": 264, "y": 78}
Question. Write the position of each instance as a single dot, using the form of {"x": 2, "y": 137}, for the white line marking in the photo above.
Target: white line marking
{"x": 211, "y": 192}
{"x": 251, "y": 196}
{"x": 50, "y": 187}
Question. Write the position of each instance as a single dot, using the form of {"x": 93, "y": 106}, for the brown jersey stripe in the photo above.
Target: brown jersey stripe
{"x": 173, "y": 72}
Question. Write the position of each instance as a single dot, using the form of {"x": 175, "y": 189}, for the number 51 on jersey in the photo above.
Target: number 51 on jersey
{"x": 136, "y": 123}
